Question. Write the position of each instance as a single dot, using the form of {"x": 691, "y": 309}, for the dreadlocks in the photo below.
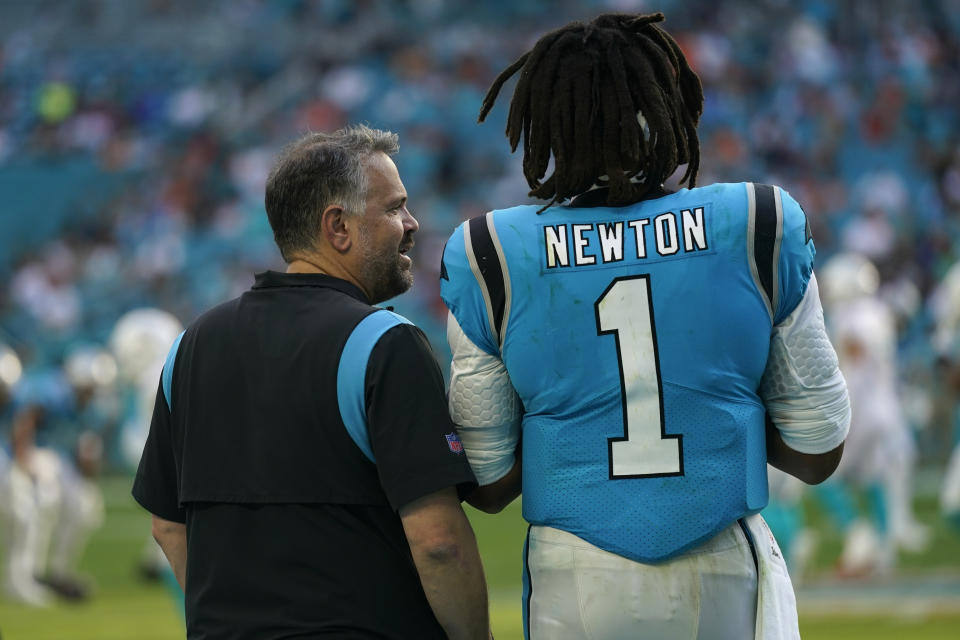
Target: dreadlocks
{"x": 615, "y": 98}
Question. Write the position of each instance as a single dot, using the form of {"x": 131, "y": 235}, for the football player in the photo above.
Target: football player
{"x": 946, "y": 343}
{"x": 140, "y": 341}
{"x": 880, "y": 450}
{"x": 51, "y": 501}
{"x": 655, "y": 349}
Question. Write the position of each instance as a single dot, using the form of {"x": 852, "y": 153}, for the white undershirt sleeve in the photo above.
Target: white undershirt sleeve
{"x": 802, "y": 387}
{"x": 484, "y": 406}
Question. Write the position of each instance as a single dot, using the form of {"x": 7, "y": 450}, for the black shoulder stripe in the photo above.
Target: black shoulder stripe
{"x": 443, "y": 263}
{"x": 488, "y": 264}
{"x": 765, "y": 234}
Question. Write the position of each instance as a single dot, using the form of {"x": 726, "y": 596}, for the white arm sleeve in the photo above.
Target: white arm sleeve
{"x": 483, "y": 405}
{"x": 802, "y": 387}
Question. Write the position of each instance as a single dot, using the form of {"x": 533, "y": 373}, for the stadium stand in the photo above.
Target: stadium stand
{"x": 135, "y": 137}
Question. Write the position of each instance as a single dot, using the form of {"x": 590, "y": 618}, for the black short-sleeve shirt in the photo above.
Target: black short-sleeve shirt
{"x": 291, "y": 529}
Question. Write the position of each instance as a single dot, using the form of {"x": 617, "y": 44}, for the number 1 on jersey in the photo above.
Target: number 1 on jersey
{"x": 625, "y": 309}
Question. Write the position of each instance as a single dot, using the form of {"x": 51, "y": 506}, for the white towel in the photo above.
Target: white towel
{"x": 776, "y": 602}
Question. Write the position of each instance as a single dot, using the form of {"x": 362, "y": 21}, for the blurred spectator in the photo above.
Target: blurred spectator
{"x": 134, "y": 137}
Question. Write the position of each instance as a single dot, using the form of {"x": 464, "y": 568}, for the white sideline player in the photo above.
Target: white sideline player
{"x": 92, "y": 373}
{"x": 18, "y": 506}
{"x": 946, "y": 343}
{"x": 140, "y": 341}
{"x": 52, "y": 501}
{"x": 880, "y": 450}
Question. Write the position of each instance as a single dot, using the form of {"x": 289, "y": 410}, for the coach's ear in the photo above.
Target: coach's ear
{"x": 335, "y": 229}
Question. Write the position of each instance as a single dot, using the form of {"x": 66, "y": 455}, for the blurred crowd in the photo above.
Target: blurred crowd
{"x": 135, "y": 138}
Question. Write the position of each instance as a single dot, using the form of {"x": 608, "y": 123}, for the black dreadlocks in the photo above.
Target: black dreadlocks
{"x": 612, "y": 98}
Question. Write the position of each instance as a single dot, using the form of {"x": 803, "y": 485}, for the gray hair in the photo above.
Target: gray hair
{"x": 314, "y": 172}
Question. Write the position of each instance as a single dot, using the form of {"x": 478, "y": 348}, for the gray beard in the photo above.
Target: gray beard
{"x": 384, "y": 276}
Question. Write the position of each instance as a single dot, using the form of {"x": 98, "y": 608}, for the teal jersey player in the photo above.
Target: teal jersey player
{"x": 636, "y": 338}
{"x": 653, "y": 350}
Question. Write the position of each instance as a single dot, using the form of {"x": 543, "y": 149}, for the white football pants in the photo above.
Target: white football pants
{"x": 573, "y": 589}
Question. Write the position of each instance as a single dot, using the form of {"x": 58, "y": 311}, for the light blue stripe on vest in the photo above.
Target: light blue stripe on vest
{"x": 352, "y": 374}
{"x": 167, "y": 376}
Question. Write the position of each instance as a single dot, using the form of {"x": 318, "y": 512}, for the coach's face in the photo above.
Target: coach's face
{"x": 385, "y": 233}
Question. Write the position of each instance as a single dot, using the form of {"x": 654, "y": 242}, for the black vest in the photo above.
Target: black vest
{"x": 259, "y": 422}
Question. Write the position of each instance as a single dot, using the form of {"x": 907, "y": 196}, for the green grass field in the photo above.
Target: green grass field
{"x": 126, "y": 608}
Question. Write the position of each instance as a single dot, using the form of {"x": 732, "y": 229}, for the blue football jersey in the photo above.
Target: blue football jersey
{"x": 636, "y": 338}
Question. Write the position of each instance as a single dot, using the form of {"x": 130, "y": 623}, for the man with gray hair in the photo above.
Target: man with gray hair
{"x": 302, "y": 471}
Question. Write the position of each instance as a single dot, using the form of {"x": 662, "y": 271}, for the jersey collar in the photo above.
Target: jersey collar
{"x": 597, "y": 197}
{"x": 276, "y": 279}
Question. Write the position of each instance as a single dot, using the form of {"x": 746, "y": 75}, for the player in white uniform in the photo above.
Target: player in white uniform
{"x": 637, "y": 339}
{"x": 91, "y": 372}
{"x": 946, "y": 343}
{"x": 51, "y": 501}
{"x": 18, "y": 507}
{"x": 140, "y": 341}
{"x": 880, "y": 449}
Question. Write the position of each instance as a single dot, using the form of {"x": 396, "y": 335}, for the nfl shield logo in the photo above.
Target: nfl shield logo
{"x": 453, "y": 441}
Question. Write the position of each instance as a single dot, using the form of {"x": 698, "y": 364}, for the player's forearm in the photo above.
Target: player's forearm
{"x": 172, "y": 538}
{"x": 492, "y": 498}
{"x": 811, "y": 468}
